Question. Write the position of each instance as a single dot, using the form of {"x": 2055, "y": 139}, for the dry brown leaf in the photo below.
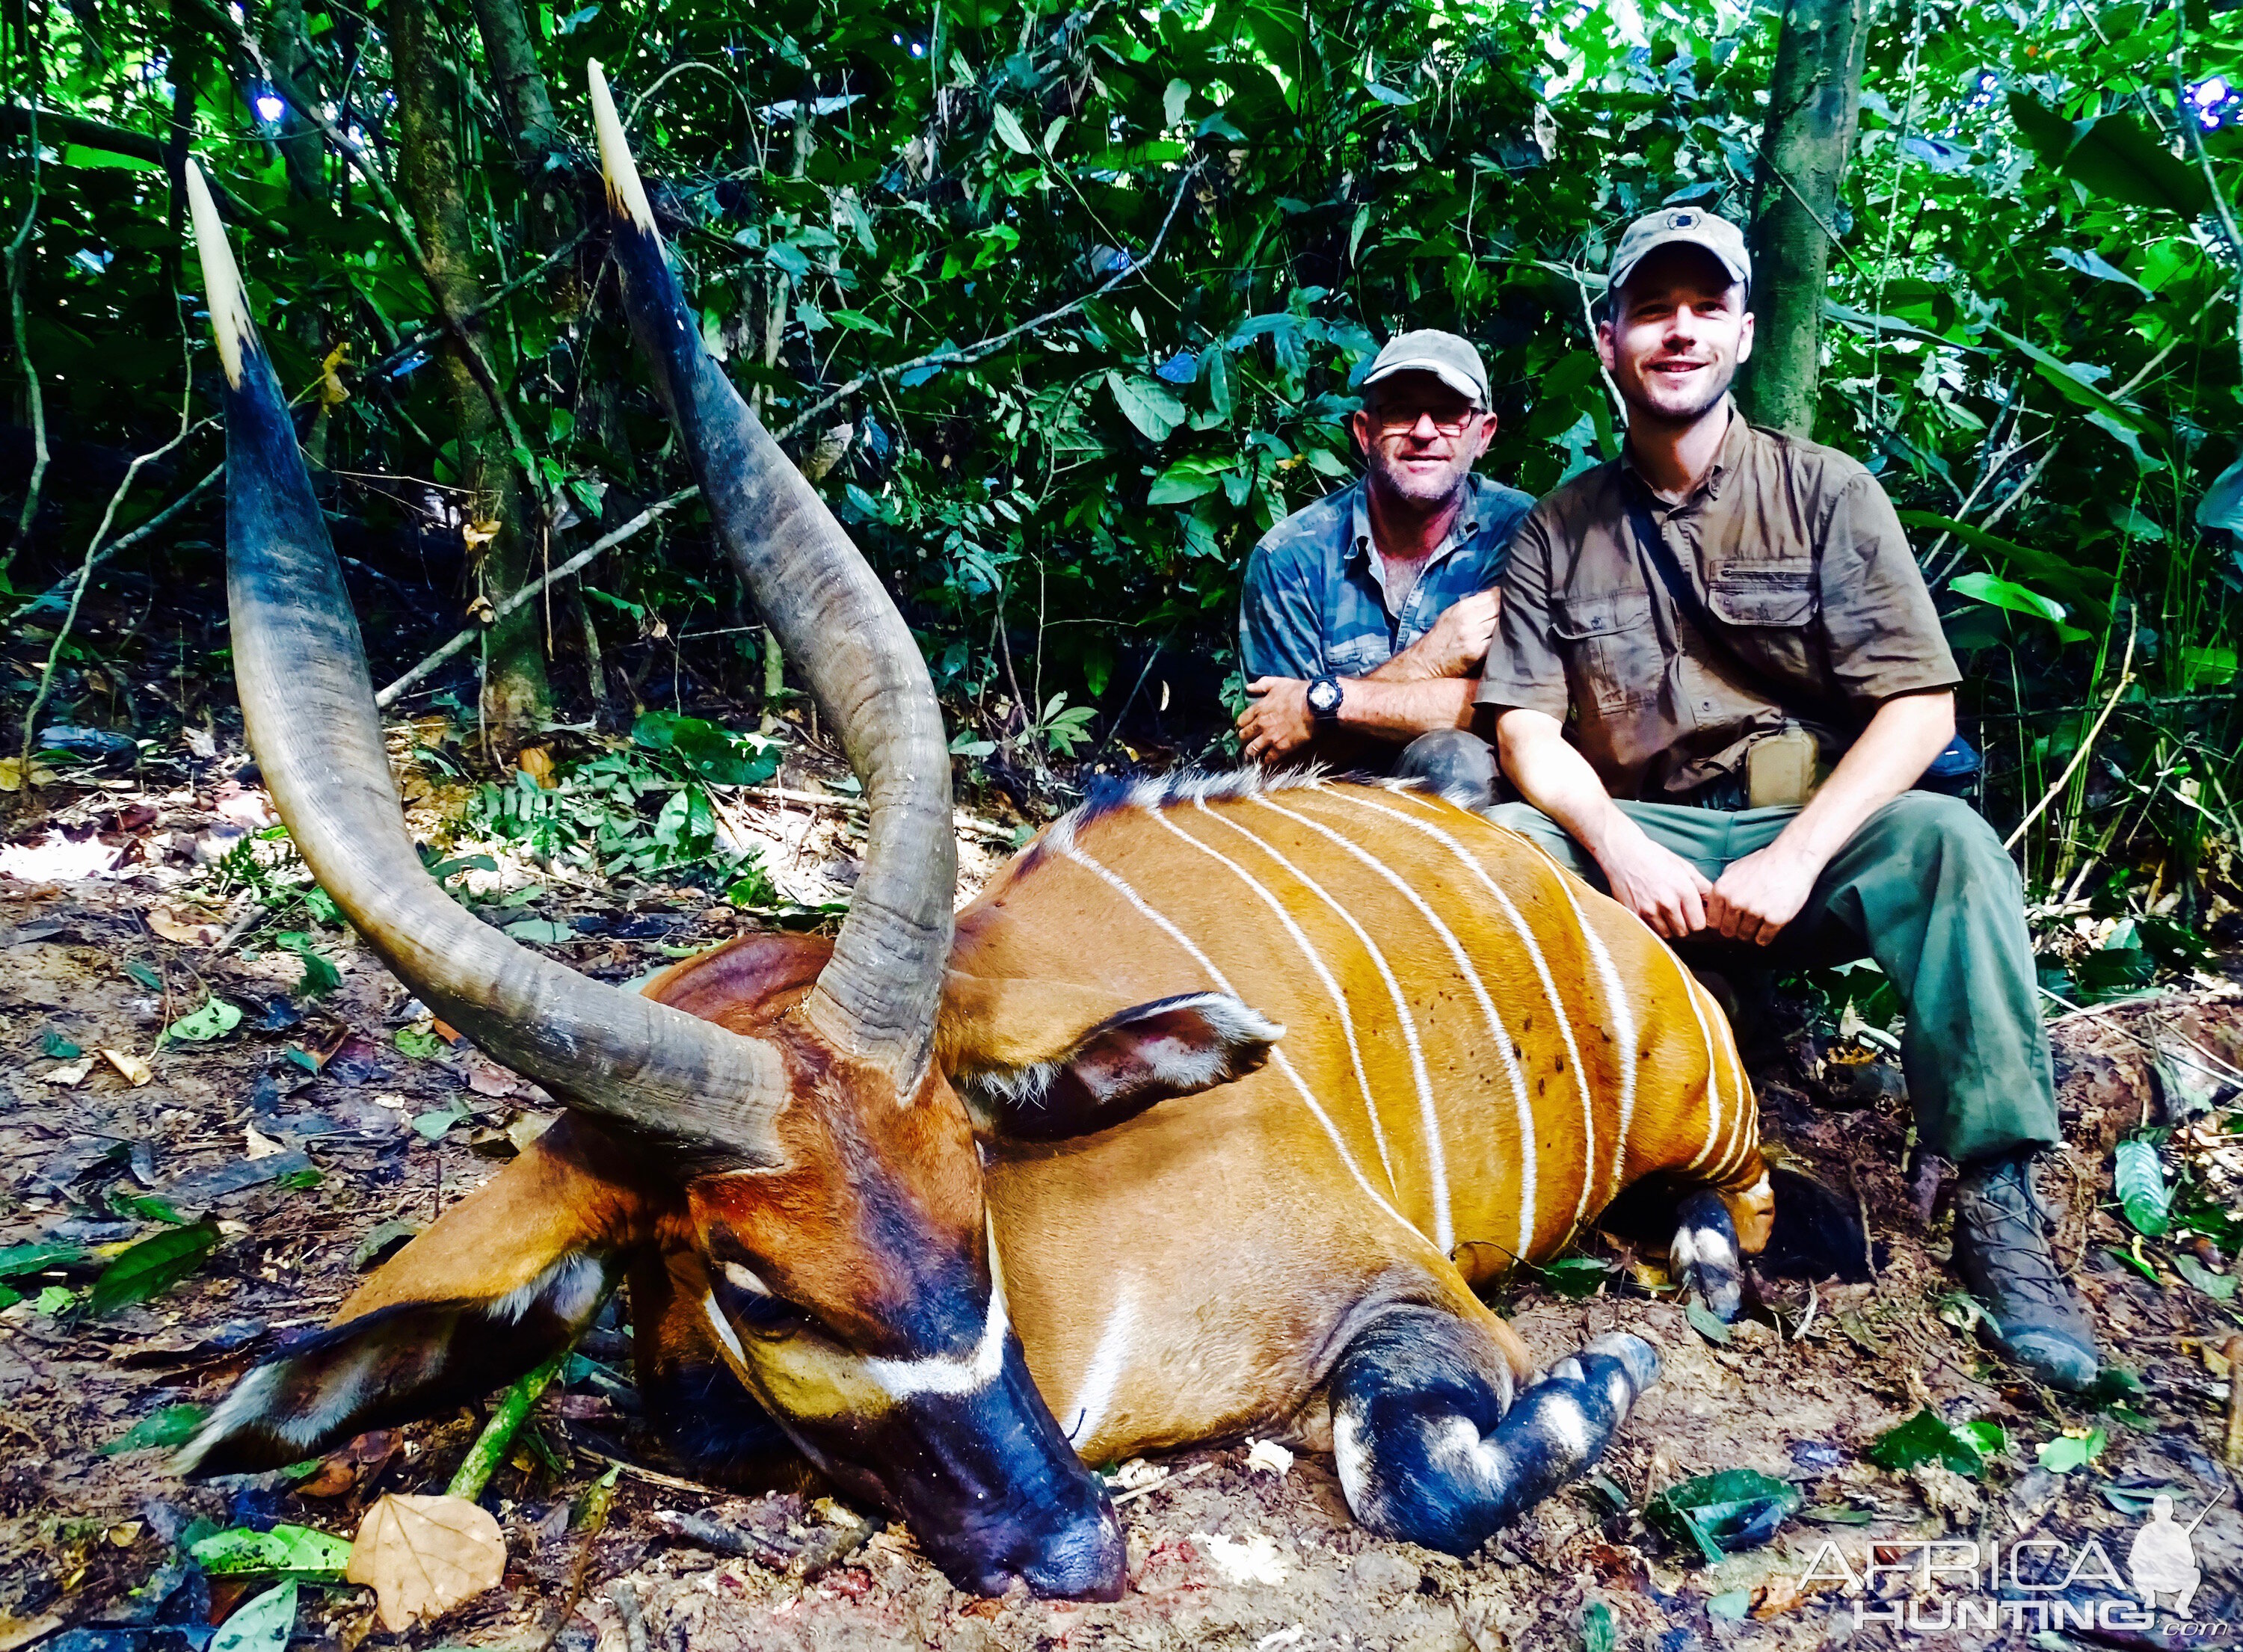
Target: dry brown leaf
{"x": 421, "y": 1556}
{"x": 71, "y": 1075}
{"x": 537, "y": 763}
{"x": 256, "y": 1146}
{"x": 186, "y": 929}
{"x": 136, "y": 1071}
{"x": 482, "y": 532}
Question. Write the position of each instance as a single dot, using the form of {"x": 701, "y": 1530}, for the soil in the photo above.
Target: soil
{"x": 312, "y": 1136}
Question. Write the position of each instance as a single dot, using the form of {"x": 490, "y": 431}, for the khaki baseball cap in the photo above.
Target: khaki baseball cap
{"x": 1683, "y": 226}
{"x": 1450, "y": 359}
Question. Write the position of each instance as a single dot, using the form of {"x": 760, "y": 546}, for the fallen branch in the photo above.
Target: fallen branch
{"x": 490, "y": 1447}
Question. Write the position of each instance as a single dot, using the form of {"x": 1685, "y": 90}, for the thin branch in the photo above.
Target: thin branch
{"x": 124, "y": 542}
{"x": 524, "y": 594}
{"x": 407, "y": 348}
{"x": 970, "y": 353}
{"x": 14, "y": 259}
{"x": 85, "y": 568}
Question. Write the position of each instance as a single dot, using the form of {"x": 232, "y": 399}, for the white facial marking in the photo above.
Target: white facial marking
{"x": 741, "y": 1278}
{"x": 1351, "y": 1456}
{"x": 1101, "y": 1377}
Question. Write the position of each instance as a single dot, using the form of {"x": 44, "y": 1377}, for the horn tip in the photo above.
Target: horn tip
{"x": 626, "y": 193}
{"x": 222, "y": 290}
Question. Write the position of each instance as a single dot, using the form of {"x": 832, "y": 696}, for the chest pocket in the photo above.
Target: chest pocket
{"x": 1611, "y": 648}
{"x": 1772, "y": 607}
{"x": 1357, "y": 656}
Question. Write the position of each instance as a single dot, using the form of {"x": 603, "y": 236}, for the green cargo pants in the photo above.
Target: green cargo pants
{"x": 1925, "y": 889}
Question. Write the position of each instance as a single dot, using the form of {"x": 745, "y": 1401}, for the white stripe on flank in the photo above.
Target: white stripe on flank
{"x": 1315, "y": 962}
{"x": 1435, "y": 1150}
{"x": 1713, "y": 1125}
{"x": 1103, "y": 1374}
{"x": 1549, "y": 989}
{"x": 1071, "y": 851}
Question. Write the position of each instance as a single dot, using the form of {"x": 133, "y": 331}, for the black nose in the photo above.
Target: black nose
{"x": 1087, "y": 1561}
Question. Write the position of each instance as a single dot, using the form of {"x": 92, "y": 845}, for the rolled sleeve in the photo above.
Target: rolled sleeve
{"x": 1280, "y": 634}
{"x": 1523, "y": 670}
{"x": 1882, "y": 631}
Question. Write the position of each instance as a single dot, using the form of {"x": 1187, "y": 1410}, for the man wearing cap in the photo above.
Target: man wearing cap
{"x": 1367, "y": 613}
{"x": 1717, "y": 678}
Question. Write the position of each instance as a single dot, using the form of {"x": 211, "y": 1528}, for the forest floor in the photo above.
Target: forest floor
{"x": 317, "y": 1133}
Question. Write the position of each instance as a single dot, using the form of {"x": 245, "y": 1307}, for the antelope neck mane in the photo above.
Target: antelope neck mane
{"x": 1186, "y": 788}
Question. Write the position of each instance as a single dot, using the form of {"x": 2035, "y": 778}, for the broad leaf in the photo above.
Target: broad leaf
{"x": 2005, "y": 594}
{"x": 1928, "y": 1438}
{"x": 170, "y": 1425}
{"x": 295, "y": 1550}
{"x": 2121, "y": 159}
{"x": 2069, "y": 382}
{"x": 2222, "y": 504}
{"x": 423, "y": 1555}
{"x": 152, "y": 1266}
{"x": 214, "y": 1020}
{"x": 1148, "y": 404}
{"x": 2081, "y": 589}
{"x": 1739, "y": 1509}
{"x": 2139, "y": 1180}
{"x": 261, "y": 1625}
{"x": 1008, "y": 128}
{"x": 18, "y": 1259}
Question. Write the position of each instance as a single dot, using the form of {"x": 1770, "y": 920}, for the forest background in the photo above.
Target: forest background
{"x": 1060, "y": 307}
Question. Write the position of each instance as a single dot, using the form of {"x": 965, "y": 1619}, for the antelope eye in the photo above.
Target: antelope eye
{"x": 746, "y": 1299}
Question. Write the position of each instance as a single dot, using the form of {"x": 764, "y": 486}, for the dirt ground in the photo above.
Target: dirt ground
{"x": 308, "y": 1173}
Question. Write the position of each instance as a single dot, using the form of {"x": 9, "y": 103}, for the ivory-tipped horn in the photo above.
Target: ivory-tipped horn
{"x": 877, "y": 997}
{"x": 307, "y": 706}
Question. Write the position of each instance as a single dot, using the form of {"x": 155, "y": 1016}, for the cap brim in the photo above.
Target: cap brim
{"x": 1617, "y": 278}
{"x": 1454, "y": 377}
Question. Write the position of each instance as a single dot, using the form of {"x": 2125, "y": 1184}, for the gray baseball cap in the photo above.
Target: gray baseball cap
{"x": 1680, "y": 227}
{"x": 1450, "y": 359}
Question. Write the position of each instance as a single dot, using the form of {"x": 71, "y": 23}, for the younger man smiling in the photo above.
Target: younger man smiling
{"x": 1689, "y": 635}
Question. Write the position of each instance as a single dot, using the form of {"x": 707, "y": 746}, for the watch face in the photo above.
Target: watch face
{"x": 1324, "y": 696}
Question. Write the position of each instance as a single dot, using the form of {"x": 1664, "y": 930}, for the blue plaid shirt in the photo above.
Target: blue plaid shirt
{"x": 1315, "y": 599}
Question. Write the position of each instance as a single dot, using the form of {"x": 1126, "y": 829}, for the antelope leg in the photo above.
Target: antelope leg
{"x": 1432, "y": 1447}
{"x": 1704, "y": 1253}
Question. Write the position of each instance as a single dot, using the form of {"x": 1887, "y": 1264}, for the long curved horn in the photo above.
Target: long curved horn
{"x": 877, "y": 997}
{"x": 307, "y": 706}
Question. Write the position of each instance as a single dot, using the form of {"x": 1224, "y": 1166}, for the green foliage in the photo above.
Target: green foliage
{"x": 2139, "y": 1180}
{"x": 292, "y": 1550}
{"x": 214, "y": 1019}
{"x": 150, "y": 1267}
{"x": 1928, "y": 1438}
{"x": 166, "y": 1426}
{"x": 1738, "y": 1508}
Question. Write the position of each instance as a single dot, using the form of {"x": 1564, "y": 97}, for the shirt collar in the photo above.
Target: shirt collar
{"x": 1730, "y": 455}
{"x": 1460, "y": 531}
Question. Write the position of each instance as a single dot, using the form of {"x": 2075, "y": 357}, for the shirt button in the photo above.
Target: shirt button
{"x": 1705, "y": 705}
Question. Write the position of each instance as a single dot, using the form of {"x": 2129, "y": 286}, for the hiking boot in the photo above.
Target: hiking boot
{"x": 2002, "y": 1250}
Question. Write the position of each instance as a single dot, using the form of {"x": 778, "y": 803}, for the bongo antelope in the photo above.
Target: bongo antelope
{"x": 1207, "y": 1116}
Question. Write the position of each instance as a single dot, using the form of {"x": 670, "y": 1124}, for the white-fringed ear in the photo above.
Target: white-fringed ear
{"x": 624, "y": 185}
{"x": 229, "y": 309}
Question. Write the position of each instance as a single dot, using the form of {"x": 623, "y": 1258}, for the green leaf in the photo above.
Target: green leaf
{"x": 2077, "y": 586}
{"x": 1577, "y": 1276}
{"x": 2047, "y": 133}
{"x": 2005, "y": 594}
{"x": 542, "y": 930}
{"x": 214, "y": 1020}
{"x": 2221, "y": 1287}
{"x": 1148, "y": 404}
{"x": 2208, "y": 668}
{"x": 1929, "y": 1438}
{"x": 1704, "y": 1321}
{"x": 150, "y": 1267}
{"x": 56, "y": 1299}
{"x": 144, "y": 1208}
{"x": 146, "y": 977}
{"x": 2068, "y": 380}
{"x": 16, "y": 1261}
{"x": 2140, "y": 1178}
{"x": 1738, "y": 1508}
{"x": 421, "y": 1043}
{"x": 1598, "y": 1633}
{"x": 1185, "y": 480}
{"x": 1173, "y": 101}
{"x": 2121, "y": 159}
{"x": 2127, "y": 1258}
{"x": 319, "y": 977}
{"x": 2222, "y": 504}
{"x": 297, "y": 1550}
{"x": 262, "y": 1625}
{"x": 55, "y": 1047}
{"x": 172, "y": 1425}
{"x": 2067, "y": 1452}
{"x": 1008, "y": 128}
{"x": 432, "y": 1124}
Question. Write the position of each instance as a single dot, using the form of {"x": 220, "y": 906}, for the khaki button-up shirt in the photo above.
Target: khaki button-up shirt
{"x": 1794, "y": 551}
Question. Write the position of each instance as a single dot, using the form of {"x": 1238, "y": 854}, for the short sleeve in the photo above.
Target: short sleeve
{"x": 1883, "y": 633}
{"x": 1524, "y": 669}
{"x": 1279, "y": 635}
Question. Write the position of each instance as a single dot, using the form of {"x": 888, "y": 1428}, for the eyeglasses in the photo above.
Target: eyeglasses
{"x": 1450, "y": 421}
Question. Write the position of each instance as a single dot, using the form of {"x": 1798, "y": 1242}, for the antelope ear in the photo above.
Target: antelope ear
{"x": 504, "y": 1278}
{"x": 1037, "y": 1072}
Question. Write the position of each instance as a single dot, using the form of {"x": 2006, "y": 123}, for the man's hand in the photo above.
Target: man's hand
{"x": 1762, "y": 893}
{"x": 1278, "y": 721}
{"x": 1656, "y": 884}
{"x": 1456, "y": 645}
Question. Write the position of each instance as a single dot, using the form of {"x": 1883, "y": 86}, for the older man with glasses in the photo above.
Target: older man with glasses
{"x": 1367, "y": 614}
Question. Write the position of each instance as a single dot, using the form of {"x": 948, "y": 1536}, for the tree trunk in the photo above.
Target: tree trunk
{"x": 510, "y": 53}
{"x": 288, "y": 50}
{"x": 498, "y": 525}
{"x": 1814, "y": 101}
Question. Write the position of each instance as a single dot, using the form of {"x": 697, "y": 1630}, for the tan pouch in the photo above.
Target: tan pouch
{"x": 1783, "y": 768}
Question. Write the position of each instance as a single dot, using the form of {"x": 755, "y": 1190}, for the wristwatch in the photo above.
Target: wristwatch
{"x": 1324, "y": 698}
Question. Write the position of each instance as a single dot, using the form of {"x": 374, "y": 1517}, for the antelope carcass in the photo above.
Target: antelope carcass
{"x": 1266, "y": 1078}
